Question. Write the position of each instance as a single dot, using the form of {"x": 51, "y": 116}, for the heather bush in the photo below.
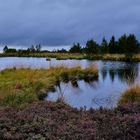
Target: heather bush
{"x": 47, "y": 120}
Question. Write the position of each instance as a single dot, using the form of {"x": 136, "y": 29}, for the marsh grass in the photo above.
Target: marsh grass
{"x": 78, "y": 56}
{"x": 131, "y": 95}
{"x": 113, "y": 57}
{"x": 19, "y": 86}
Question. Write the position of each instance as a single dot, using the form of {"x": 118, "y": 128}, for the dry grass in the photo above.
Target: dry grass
{"x": 116, "y": 57}
{"x": 131, "y": 95}
{"x": 78, "y": 56}
{"x": 19, "y": 86}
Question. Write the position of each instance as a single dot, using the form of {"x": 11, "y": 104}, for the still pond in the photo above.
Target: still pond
{"x": 114, "y": 78}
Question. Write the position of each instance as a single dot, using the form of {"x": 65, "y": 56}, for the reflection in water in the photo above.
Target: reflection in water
{"x": 74, "y": 83}
{"x": 127, "y": 74}
{"x": 104, "y": 74}
{"x": 108, "y": 101}
{"x": 62, "y": 88}
{"x": 114, "y": 78}
{"x": 112, "y": 74}
{"x": 84, "y": 95}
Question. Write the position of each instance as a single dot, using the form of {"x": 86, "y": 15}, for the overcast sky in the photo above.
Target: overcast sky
{"x": 62, "y": 22}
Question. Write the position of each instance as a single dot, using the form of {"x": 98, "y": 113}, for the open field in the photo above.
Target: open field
{"x": 64, "y": 56}
{"x": 21, "y": 86}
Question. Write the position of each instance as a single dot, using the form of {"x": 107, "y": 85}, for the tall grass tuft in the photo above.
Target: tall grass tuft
{"x": 131, "y": 95}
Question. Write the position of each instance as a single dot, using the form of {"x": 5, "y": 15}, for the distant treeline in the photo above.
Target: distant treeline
{"x": 126, "y": 44}
{"x": 32, "y": 49}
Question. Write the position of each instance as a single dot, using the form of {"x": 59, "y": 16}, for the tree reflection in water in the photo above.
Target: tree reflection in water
{"x": 114, "y": 78}
{"x": 127, "y": 74}
{"x": 63, "y": 87}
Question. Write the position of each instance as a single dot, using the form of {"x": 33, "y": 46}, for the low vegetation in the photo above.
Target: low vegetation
{"x": 131, "y": 95}
{"x": 21, "y": 86}
{"x": 112, "y": 57}
{"x": 77, "y": 56}
{"x": 57, "y": 120}
{"x": 24, "y": 116}
{"x": 47, "y": 120}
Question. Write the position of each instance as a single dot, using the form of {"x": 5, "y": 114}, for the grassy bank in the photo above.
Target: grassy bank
{"x": 78, "y": 56}
{"x": 21, "y": 86}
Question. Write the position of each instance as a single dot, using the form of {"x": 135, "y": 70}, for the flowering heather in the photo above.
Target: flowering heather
{"x": 47, "y": 120}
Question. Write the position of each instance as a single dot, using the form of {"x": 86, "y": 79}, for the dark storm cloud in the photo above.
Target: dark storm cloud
{"x": 62, "y": 22}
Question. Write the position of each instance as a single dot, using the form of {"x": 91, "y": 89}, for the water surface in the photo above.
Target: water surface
{"x": 114, "y": 78}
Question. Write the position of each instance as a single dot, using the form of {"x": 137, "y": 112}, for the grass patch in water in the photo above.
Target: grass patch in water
{"x": 21, "y": 86}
